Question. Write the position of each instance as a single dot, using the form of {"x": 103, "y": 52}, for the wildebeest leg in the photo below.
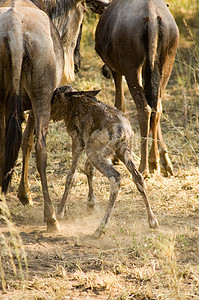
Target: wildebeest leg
{"x": 154, "y": 159}
{"x": 143, "y": 113}
{"x": 42, "y": 118}
{"x": 159, "y": 158}
{"x": 27, "y": 143}
{"x": 113, "y": 175}
{"x": 76, "y": 153}
{"x": 89, "y": 171}
{"x": 165, "y": 163}
{"x": 119, "y": 93}
{"x": 139, "y": 181}
{"x": 119, "y": 99}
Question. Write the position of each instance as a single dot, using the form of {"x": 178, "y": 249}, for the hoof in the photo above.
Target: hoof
{"x": 90, "y": 206}
{"x": 154, "y": 166}
{"x": 25, "y": 199}
{"x": 166, "y": 165}
{"x": 97, "y": 234}
{"x": 60, "y": 213}
{"x": 145, "y": 174}
{"x": 169, "y": 169}
{"x": 60, "y": 216}
{"x": 53, "y": 226}
{"x": 144, "y": 171}
{"x": 91, "y": 201}
{"x": 153, "y": 222}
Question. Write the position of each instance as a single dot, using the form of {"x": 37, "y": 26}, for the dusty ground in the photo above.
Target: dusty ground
{"x": 130, "y": 261}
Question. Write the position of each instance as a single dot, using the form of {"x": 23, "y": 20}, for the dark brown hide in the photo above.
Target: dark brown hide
{"x": 138, "y": 39}
{"x": 77, "y": 55}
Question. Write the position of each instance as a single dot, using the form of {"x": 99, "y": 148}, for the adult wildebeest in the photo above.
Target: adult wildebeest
{"x": 67, "y": 17}
{"x": 31, "y": 67}
{"x": 103, "y": 132}
{"x": 138, "y": 39}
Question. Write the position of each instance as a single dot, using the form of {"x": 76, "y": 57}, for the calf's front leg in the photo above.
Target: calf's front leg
{"x": 76, "y": 153}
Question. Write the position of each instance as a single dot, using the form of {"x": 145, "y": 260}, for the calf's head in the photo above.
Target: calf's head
{"x": 64, "y": 95}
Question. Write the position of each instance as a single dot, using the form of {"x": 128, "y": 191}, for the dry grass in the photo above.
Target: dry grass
{"x": 130, "y": 261}
{"x": 12, "y": 252}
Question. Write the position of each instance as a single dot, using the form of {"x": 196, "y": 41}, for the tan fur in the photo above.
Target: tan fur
{"x": 104, "y": 133}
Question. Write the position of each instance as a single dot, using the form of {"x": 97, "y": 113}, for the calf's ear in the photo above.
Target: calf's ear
{"x": 81, "y": 93}
{"x": 92, "y": 93}
{"x": 62, "y": 89}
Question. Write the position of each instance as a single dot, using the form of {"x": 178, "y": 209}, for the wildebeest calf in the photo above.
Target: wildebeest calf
{"x": 104, "y": 132}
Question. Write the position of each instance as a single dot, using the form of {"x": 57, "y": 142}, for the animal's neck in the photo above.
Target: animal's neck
{"x": 57, "y": 8}
{"x": 66, "y": 15}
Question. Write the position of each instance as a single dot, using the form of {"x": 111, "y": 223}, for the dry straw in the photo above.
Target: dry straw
{"x": 12, "y": 253}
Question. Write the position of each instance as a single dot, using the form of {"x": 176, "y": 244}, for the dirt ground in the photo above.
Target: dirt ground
{"x": 131, "y": 261}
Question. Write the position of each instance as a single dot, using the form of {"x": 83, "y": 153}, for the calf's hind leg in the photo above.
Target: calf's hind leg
{"x": 104, "y": 166}
{"x": 139, "y": 181}
{"x": 89, "y": 171}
